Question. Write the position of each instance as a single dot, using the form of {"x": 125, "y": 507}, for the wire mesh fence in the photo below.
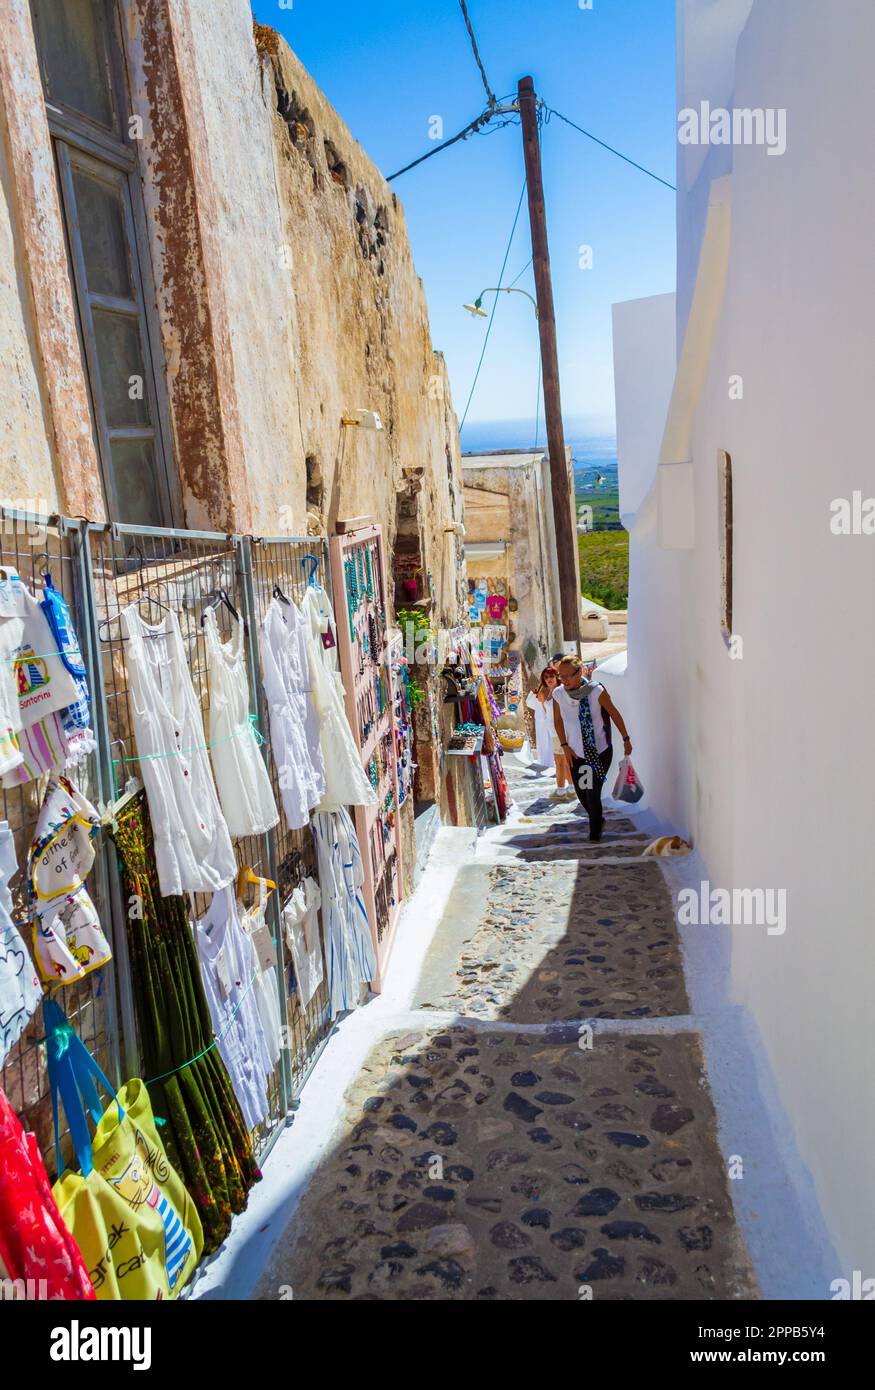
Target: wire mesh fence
{"x": 31, "y": 547}
{"x": 286, "y": 565}
{"x": 102, "y": 570}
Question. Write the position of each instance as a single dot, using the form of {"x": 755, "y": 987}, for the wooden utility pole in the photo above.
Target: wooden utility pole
{"x": 566, "y": 537}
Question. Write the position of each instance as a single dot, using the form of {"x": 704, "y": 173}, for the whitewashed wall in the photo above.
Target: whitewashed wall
{"x": 767, "y": 761}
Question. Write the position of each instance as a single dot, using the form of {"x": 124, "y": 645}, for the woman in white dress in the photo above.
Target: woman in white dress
{"x": 548, "y": 746}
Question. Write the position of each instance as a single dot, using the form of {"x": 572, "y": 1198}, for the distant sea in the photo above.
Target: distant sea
{"x": 592, "y": 451}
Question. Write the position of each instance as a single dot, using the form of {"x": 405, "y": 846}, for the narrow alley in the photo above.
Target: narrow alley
{"x": 491, "y": 1145}
{"x": 427, "y": 499}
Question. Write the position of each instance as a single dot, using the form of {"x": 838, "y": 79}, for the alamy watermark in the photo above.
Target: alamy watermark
{"x": 733, "y": 907}
{"x": 717, "y": 125}
{"x": 852, "y": 516}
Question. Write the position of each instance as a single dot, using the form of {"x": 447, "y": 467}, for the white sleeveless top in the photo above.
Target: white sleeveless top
{"x": 230, "y": 973}
{"x": 193, "y": 849}
{"x": 241, "y": 776}
{"x": 294, "y": 724}
{"x": 346, "y": 782}
{"x": 570, "y": 711}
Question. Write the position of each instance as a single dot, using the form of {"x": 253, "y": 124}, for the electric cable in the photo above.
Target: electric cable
{"x": 462, "y": 135}
{"x": 548, "y": 112}
{"x": 530, "y": 262}
{"x": 494, "y": 307}
{"x": 490, "y": 95}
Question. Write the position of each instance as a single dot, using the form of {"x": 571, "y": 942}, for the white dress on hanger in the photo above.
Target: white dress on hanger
{"x": 254, "y": 922}
{"x": 301, "y": 930}
{"x": 230, "y": 972}
{"x": 347, "y": 783}
{"x": 294, "y": 723}
{"x": 241, "y": 776}
{"x": 193, "y": 849}
{"x": 349, "y": 948}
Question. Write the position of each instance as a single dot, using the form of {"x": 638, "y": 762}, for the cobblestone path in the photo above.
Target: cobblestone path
{"x": 506, "y": 1150}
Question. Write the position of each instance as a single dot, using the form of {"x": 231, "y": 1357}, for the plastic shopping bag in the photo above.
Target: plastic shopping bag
{"x": 127, "y": 1209}
{"x": 627, "y": 786}
{"x": 131, "y": 1216}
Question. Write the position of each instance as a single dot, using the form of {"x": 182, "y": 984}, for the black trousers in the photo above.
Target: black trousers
{"x": 590, "y": 797}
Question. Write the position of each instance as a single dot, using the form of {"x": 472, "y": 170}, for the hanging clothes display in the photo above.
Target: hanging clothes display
{"x": 68, "y": 940}
{"x": 11, "y": 756}
{"x": 20, "y": 990}
{"x": 205, "y": 1135}
{"x": 301, "y": 931}
{"x": 35, "y": 1243}
{"x": 76, "y": 717}
{"x": 241, "y": 775}
{"x": 192, "y": 844}
{"x": 230, "y": 970}
{"x": 349, "y": 949}
{"x": 294, "y": 721}
{"x": 254, "y": 924}
{"x": 346, "y": 783}
{"x": 44, "y": 688}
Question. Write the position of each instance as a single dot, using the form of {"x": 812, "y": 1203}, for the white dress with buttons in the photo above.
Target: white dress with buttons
{"x": 241, "y": 776}
{"x": 193, "y": 848}
{"x": 294, "y": 722}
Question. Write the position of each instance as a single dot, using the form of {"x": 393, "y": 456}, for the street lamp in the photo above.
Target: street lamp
{"x": 477, "y": 307}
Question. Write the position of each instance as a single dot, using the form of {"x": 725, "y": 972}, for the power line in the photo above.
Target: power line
{"x": 494, "y": 307}
{"x": 589, "y": 135}
{"x": 475, "y": 125}
{"x": 490, "y": 95}
{"x": 529, "y": 262}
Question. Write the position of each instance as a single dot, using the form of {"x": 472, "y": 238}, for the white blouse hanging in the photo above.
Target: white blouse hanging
{"x": 294, "y": 723}
{"x": 254, "y": 924}
{"x": 347, "y": 783}
{"x": 20, "y": 991}
{"x": 349, "y": 948}
{"x": 241, "y": 776}
{"x": 301, "y": 930}
{"x": 193, "y": 849}
{"x": 230, "y": 972}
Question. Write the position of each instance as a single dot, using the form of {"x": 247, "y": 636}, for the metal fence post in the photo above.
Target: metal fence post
{"x": 257, "y": 702}
{"x": 106, "y": 785}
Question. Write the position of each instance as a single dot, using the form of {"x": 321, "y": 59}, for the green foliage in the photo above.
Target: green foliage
{"x": 604, "y": 567}
{"x": 421, "y": 624}
{"x": 414, "y": 691}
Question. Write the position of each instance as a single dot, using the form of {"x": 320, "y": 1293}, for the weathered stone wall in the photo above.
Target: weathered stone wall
{"x": 47, "y": 453}
{"x": 284, "y": 295}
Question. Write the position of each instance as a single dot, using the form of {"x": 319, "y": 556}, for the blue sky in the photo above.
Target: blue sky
{"x": 388, "y": 66}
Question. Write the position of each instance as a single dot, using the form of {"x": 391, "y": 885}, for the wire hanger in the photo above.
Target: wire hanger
{"x": 220, "y": 597}
{"x": 142, "y": 597}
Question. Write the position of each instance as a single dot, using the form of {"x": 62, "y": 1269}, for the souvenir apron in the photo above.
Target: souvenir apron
{"x": 68, "y": 940}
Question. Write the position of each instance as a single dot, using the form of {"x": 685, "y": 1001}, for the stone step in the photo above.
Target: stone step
{"x": 479, "y": 1166}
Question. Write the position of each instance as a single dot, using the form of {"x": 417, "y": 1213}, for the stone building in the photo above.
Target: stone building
{"x": 202, "y": 277}
{"x": 510, "y": 535}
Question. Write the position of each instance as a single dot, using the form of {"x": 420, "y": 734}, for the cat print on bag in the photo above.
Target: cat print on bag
{"x": 138, "y": 1186}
